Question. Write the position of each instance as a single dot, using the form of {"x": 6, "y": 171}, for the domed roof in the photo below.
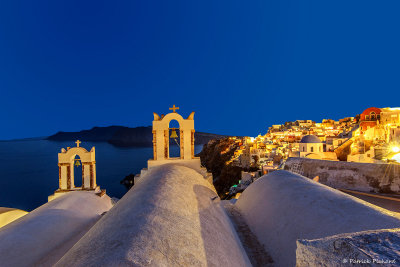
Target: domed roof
{"x": 310, "y": 139}
{"x": 372, "y": 109}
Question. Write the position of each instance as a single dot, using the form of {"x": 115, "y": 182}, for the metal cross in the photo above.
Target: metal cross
{"x": 77, "y": 143}
{"x": 173, "y": 108}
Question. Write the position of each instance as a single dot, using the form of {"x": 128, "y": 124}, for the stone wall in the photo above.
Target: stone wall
{"x": 367, "y": 248}
{"x": 366, "y": 177}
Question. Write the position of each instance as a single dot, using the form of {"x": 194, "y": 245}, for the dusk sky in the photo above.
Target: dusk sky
{"x": 240, "y": 65}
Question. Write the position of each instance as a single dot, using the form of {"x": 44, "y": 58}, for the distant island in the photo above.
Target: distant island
{"x": 124, "y": 136}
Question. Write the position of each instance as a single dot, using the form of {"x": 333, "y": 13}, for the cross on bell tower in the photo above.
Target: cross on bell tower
{"x": 78, "y": 143}
{"x": 174, "y": 108}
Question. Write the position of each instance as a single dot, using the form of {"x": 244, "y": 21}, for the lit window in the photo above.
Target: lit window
{"x": 372, "y": 115}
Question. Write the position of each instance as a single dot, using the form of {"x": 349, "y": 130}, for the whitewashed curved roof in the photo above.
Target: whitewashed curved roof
{"x": 172, "y": 217}
{"x": 282, "y": 207}
{"x": 44, "y": 235}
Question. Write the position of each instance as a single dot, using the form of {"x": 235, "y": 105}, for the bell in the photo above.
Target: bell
{"x": 77, "y": 163}
{"x": 173, "y": 134}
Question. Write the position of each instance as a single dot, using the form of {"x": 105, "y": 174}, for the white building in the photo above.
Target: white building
{"x": 390, "y": 116}
{"x": 304, "y": 123}
{"x": 312, "y": 147}
{"x": 367, "y": 157}
{"x": 310, "y": 144}
{"x": 333, "y": 142}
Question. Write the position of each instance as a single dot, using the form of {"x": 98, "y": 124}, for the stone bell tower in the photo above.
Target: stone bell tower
{"x": 66, "y": 168}
{"x": 161, "y": 135}
{"x": 66, "y": 177}
{"x": 161, "y": 141}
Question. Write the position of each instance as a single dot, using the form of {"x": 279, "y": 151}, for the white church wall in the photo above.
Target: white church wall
{"x": 95, "y": 175}
{"x": 86, "y": 173}
{"x": 160, "y": 140}
{"x": 294, "y": 207}
{"x": 63, "y": 177}
{"x": 187, "y": 143}
{"x": 72, "y": 170}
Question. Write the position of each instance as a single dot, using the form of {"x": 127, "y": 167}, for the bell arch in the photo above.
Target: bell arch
{"x": 174, "y": 134}
{"x": 66, "y": 160}
{"x": 77, "y": 169}
{"x": 161, "y": 135}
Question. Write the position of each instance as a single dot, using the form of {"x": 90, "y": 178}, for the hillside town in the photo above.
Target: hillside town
{"x": 370, "y": 137}
{"x": 176, "y": 204}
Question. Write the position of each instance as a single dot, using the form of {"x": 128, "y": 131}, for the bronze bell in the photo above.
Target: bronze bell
{"x": 77, "y": 162}
{"x": 173, "y": 133}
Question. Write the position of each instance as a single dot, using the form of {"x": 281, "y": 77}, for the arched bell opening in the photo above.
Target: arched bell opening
{"x": 174, "y": 142}
{"x": 77, "y": 175}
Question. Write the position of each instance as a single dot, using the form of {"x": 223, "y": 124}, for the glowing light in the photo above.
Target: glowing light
{"x": 396, "y": 149}
{"x": 250, "y": 140}
{"x": 396, "y": 158}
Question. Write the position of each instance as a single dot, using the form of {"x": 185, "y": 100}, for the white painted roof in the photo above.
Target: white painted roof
{"x": 172, "y": 217}
{"x": 282, "y": 207}
{"x": 44, "y": 235}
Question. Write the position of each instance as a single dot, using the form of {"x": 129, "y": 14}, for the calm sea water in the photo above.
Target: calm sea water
{"x": 29, "y": 170}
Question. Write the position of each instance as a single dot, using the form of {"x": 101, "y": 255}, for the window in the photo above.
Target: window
{"x": 304, "y": 148}
{"x": 372, "y": 115}
{"x": 319, "y": 149}
{"x": 367, "y": 117}
{"x": 312, "y": 149}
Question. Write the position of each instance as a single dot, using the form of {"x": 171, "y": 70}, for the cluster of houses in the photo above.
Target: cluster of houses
{"x": 370, "y": 137}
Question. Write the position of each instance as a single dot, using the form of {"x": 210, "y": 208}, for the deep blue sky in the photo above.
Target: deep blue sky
{"x": 241, "y": 65}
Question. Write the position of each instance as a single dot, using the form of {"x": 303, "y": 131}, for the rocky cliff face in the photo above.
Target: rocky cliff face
{"x": 214, "y": 156}
{"x": 96, "y": 134}
{"x": 124, "y": 136}
{"x": 132, "y": 137}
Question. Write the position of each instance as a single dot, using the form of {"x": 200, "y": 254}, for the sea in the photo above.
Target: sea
{"x": 29, "y": 169}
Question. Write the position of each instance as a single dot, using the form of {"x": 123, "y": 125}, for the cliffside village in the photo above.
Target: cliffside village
{"x": 370, "y": 137}
{"x": 174, "y": 216}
